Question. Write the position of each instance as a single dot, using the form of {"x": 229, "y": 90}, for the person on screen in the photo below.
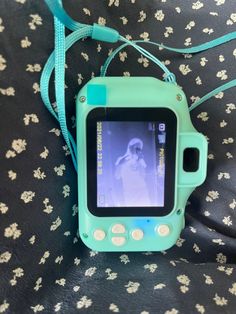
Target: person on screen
{"x": 131, "y": 169}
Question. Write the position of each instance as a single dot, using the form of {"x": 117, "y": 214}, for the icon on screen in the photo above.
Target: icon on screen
{"x": 162, "y": 127}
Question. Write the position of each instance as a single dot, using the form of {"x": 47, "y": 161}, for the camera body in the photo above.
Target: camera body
{"x": 139, "y": 159}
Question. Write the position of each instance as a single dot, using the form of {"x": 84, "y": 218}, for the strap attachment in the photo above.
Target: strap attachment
{"x": 104, "y": 33}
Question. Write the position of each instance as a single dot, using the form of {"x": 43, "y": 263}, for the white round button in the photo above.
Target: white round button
{"x": 99, "y": 234}
{"x": 137, "y": 234}
{"x": 163, "y": 230}
{"x": 118, "y": 241}
{"x": 118, "y": 228}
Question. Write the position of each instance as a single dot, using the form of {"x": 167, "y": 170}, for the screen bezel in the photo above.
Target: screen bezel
{"x": 131, "y": 114}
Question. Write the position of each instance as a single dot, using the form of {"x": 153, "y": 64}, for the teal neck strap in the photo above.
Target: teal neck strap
{"x": 102, "y": 33}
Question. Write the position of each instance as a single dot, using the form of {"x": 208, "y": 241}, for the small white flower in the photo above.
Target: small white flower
{"x": 142, "y": 16}
{"x": 38, "y": 284}
{"x": 233, "y": 289}
{"x": 36, "y": 88}
{"x": 111, "y": 275}
{"x": 144, "y": 36}
{"x": 114, "y": 308}
{"x": 1, "y": 30}
{"x": 151, "y": 267}
{"x": 159, "y": 286}
{"x": 12, "y": 231}
{"x": 159, "y": 15}
{"x": 2, "y": 63}
{"x": 122, "y": 55}
{"x": 90, "y": 271}
{"x": 208, "y": 280}
{"x": 132, "y": 287}
{"x": 212, "y": 195}
{"x": 203, "y": 61}
{"x": 227, "y": 221}
{"x": 183, "y": 279}
{"x": 220, "y": 258}
{"x": 37, "y": 308}
{"x": 124, "y": 259}
{"x": 196, "y": 248}
{"x": 55, "y": 224}
{"x": 12, "y": 175}
{"x": 60, "y": 170}
{"x": 4, "y": 258}
{"x": 190, "y": 25}
{"x": 172, "y": 311}
{"x": 25, "y": 43}
{"x": 220, "y": 300}
{"x": 30, "y": 118}
{"x": 84, "y": 302}
{"x": 32, "y": 239}
{"x": 230, "y": 108}
{"x": 184, "y": 69}
{"x": 76, "y": 288}
{"x": 222, "y": 75}
{"x": 45, "y": 256}
{"x": 27, "y": 196}
{"x": 85, "y": 56}
{"x": 61, "y": 282}
{"x": 86, "y": 11}
{"x": 197, "y": 5}
{"x": 77, "y": 261}
{"x": 101, "y": 21}
{"x": 4, "y": 306}
{"x": 3, "y": 208}
{"x": 57, "y": 307}
{"x": 57, "y": 132}
{"x": 66, "y": 190}
{"x": 48, "y": 208}
{"x": 180, "y": 242}
{"x": 200, "y": 308}
{"x": 38, "y": 174}
{"x": 45, "y": 153}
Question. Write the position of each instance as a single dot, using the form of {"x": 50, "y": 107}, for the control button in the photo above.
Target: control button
{"x": 137, "y": 234}
{"x": 163, "y": 230}
{"x": 99, "y": 234}
{"x": 118, "y": 228}
{"x": 118, "y": 241}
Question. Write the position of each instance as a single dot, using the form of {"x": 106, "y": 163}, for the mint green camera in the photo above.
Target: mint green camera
{"x": 139, "y": 159}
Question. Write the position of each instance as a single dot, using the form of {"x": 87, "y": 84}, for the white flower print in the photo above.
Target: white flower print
{"x": 10, "y": 91}
{"x": 212, "y": 195}
{"x": 1, "y": 30}
{"x": 25, "y": 43}
{"x": 84, "y": 302}
{"x": 32, "y": 239}
{"x": 220, "y": 300}
{"x": 124, "y": 259}
{"x": 38, "y": 174}
{"x": 27, "y": 196}
{"x": 12, "y": 231}
{"x": 190, "y": 25}
{"x": 227, "y": 221}
{"x": 4, "y": 306}
{"x": 183, "y": 279}
{"x": 200, "y": 308}
{"x": 159, "y": 15}
{"x": 142, "y": 16}
{"x": 45, "y": 256}
{"x": 57, "y": 132}
{"x": 36, "y": 20}
{"x": 101, "y": 21}
{"x": 114, "y": 308}
{"x": 5, "y": 258}
{"x": 159, "y": 286}
{"x": 233, "y": 204}
{"x": 230, "y": 108}
{"x": 61, "y": 282}
{"x": 30, "y": 118}
{"x": 172, "y": 311}
{"x": 48, "y": 208}
{"x": 222, "y": 75}
{"x": 208, "y": 279}
{"x": 111, "y": 275}
{"x": 184, "y": 69}
{"x": 17, "y": 273}
{"x": 66, "y": 190}
{"x": 197, "y": 5}
{"x": 144, "y": 61}
{"x": 60, "y": 170}
{"x": 56, "y": 224}
{"x": 233, "y": 289}
{"x": 86, "y": 11}
{"x": 123, "y": 55}
{"x": 3, "y": 208}
{"x": 132, "y": 287}
{"x": 44, "y": 153}
{"x": 203, "y": 116}
{"x": 76, "y": 288}
{"x": 77, "y": 261}
{"x": 37, "y": 308}
{"x": 2, "y": 63}
{"x": 57, "y": 307}
{"x": 38, "y": 284}
{"x": 221, "y": 258}
{"x": 144, "y": 36}
{"x": 90, "y": 271}
{"x": 85, "y": 56}
{"x": 12, "y": 175}
{"x": 151, "y": 267}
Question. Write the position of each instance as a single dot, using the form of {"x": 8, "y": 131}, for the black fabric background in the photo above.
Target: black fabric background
{"x": 195, "y": 276}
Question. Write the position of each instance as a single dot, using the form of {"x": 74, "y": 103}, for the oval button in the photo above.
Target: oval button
{"x": 163, "y": 230}
{"x": 118, "y": 228}
{"x": 118, "y": 241}
{"x": 99, "y": 234}
{"x": 137, "y": 234}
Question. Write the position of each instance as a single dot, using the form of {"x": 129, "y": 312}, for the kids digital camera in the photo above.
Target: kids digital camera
{"x": 139, "y": 159}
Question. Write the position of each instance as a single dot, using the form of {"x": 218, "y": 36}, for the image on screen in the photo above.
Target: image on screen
{"x": 130, "y": 164}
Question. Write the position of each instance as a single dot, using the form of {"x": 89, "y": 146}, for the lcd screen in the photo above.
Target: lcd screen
{"x": 131, "y": 163}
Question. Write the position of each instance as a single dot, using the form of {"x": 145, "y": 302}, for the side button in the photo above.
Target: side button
{"x": 137, "y": 234}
